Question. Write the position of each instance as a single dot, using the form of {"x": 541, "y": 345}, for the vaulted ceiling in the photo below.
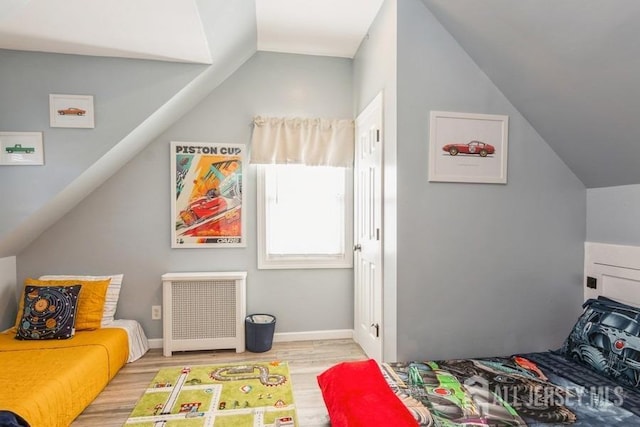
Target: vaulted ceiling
{"x": 570, "y": 67}
{"x": 180, "y": 30}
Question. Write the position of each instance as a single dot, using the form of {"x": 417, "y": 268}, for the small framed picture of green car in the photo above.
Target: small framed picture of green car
{"x": 21, "y": 148}
{"x": 71, "y": 111}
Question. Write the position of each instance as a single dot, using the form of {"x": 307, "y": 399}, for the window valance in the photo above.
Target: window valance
{"x": 307, "y": 141}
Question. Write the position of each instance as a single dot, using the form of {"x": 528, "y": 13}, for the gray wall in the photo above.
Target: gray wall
{"x": 374, "y": 71}
{"x": 613, "y": 215}
{"x": 125, "y": 93}
{"x": 124, "y": 226}
{"x": 512, "y": 281}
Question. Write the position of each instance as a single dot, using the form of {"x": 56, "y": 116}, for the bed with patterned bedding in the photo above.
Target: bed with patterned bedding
{"x": 593, "y": 380}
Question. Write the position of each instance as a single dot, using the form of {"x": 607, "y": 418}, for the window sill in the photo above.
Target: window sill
{"x": 294, "y": 263}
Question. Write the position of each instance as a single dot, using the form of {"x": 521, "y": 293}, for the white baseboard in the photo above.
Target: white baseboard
{"x": 334, "y": 334}
{"x": 155, "y": 343}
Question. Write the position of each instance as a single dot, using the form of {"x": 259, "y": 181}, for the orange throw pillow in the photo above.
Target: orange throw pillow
{"x": 90, "y": 302}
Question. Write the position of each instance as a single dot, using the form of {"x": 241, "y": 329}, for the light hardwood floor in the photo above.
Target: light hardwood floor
{"x": 306, "y": 360}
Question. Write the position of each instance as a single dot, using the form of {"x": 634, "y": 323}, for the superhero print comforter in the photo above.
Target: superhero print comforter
{"x": 538, "y": 389}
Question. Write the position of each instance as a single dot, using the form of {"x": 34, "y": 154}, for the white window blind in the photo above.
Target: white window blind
{"x": 304, "y": 217}
{"x": 306, "y": 210}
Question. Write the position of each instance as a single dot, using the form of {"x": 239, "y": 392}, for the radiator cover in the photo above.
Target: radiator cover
{"x": 203, "y": 311}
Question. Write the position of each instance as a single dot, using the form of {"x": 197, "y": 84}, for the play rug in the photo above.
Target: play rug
{"x": 229, "y": 395}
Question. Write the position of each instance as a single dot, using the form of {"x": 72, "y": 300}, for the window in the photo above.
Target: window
{"x": 304, "y": 216}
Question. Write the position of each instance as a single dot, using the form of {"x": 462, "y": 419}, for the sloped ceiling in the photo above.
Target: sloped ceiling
{"x": 180, "y": 30}
{"x": 219, "y": 33}
{"x": 234, "y": 39}
{"x": 571, "y": 67}
{"x": 122, "y": 28}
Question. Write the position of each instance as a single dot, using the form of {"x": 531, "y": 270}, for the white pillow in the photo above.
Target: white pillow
{"x": 113, "y": 292}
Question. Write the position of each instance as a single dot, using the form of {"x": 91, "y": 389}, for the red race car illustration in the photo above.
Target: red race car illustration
{"x": 203, "y": 207}
{"x": 474, "y": 147}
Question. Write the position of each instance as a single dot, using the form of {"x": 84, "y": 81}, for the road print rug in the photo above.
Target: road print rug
{"x": 230, "y": 395}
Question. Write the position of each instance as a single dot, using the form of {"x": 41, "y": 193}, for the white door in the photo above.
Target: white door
{"x": 367, "y": 230}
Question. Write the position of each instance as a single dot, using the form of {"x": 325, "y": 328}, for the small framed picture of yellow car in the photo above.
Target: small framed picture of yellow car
{"x": 71, "y": 111}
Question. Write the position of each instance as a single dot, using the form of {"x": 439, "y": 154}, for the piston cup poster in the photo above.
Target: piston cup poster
{"x": 207, "y": 197}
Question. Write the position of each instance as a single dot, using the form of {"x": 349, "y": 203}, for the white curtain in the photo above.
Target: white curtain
{"x": 312, "y": 142}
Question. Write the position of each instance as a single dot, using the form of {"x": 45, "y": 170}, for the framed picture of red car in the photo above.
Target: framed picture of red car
{"x": 207, "y": 195}
{"x": 71, "y": 111}
{"x": 466, "y": 147}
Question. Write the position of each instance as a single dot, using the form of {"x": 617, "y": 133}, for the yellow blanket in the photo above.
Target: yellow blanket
{"x": 50, "y": 382}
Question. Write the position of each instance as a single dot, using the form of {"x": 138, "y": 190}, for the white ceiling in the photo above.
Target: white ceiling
{"x": 315, "y": 27}
{"x": 148, "y": 29}
{"x": 173, "y": 30}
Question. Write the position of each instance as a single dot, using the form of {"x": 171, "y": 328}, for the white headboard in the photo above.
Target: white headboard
{"x": 616, "y": 269}
{"x": 8, "y": 290}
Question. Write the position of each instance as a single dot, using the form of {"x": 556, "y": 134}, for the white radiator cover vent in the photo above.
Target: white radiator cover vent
{"x": 203, "y": 311}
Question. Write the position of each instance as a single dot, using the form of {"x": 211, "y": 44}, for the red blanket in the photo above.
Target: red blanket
{"x": 377, "y": 406}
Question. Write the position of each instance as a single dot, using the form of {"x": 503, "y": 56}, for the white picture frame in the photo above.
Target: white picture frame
{"x": 71, "y": 111}
{"x": 21, "y": 149}
{"x": 208, "y": 197}
{"x": 468, "y": 147}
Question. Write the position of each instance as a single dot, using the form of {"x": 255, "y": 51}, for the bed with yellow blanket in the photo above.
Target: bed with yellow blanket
{"x": 64, "y": 349}
{"x": 48, "y": 383}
